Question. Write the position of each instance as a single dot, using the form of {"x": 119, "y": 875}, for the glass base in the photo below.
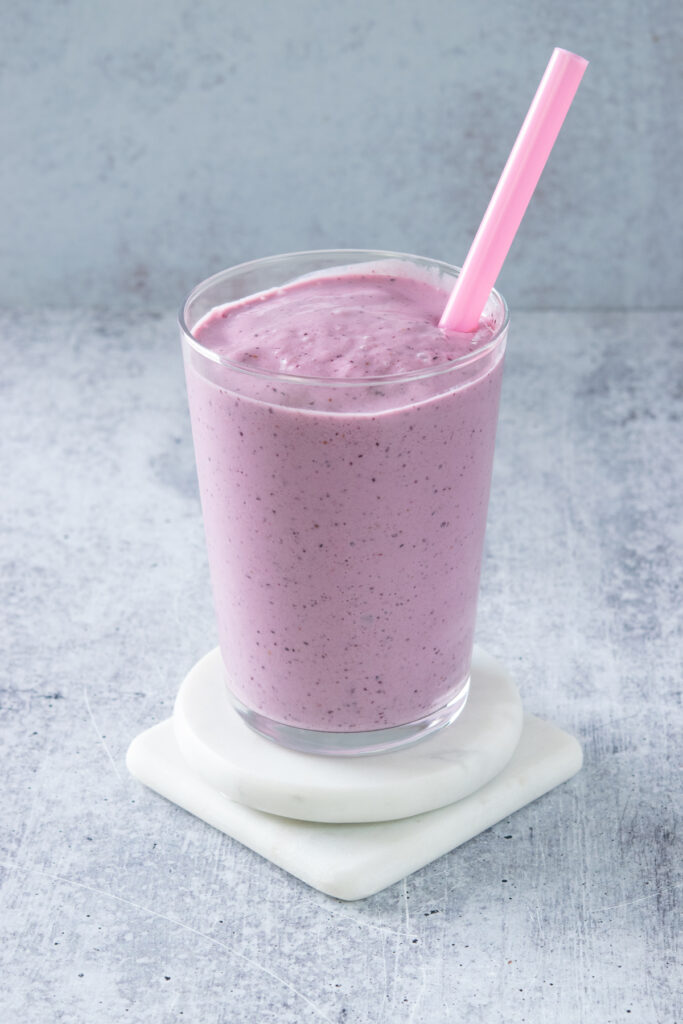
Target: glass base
{"x": 354, "y": 744}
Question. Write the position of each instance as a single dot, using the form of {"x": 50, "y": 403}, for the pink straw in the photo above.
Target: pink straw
{"x": 513, "y": 191}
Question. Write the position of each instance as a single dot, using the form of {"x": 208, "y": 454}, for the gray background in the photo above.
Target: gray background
{"x": 146, "y": 145}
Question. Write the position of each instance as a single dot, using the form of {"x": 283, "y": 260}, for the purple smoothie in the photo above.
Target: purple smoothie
{"x": 344, "y": 515}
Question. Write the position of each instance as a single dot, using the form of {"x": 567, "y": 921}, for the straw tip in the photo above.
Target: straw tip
{"x": 571, "y": 57}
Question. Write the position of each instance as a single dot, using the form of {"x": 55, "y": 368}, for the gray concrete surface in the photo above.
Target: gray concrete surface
{"x": 115, "y": 905}
{"x": 146, "y": 145}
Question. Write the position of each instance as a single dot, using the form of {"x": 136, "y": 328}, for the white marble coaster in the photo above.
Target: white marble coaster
{"x": 459, "y": 759}
{"x": 351, "y": 861}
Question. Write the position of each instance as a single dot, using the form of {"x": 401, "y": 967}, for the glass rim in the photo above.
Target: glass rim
{"x": 292, "y": 378}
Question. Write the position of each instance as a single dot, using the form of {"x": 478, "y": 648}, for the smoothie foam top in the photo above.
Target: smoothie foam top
{"x": 349, "y": 322}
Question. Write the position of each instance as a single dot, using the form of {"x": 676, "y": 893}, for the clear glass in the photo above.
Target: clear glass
{"x": 345, "y": 524}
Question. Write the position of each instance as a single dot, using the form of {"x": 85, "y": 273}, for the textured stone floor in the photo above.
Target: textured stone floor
{"x": 115, "y": 905}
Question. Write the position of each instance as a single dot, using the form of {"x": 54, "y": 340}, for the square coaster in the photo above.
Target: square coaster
{"x": 352, "y": 861}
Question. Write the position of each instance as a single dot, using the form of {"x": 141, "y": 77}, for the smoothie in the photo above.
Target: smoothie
{"x": 344, "y": 446}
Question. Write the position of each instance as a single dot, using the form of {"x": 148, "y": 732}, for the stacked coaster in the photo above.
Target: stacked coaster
{"x": 351, "y": 826}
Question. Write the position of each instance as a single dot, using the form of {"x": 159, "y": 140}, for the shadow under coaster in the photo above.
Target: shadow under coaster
{"x": 350, "y": 827}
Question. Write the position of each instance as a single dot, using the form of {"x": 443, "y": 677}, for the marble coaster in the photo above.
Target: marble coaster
{"x": 352, "y": 861}
{"x": 371, "y": 820}
{"x": 457, "y": 760}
